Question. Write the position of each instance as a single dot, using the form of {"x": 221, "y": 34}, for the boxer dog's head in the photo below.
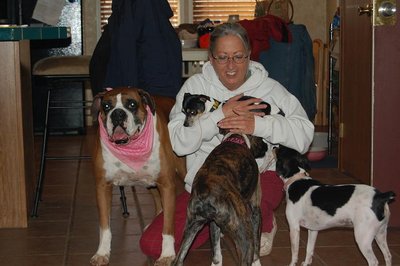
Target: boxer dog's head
{"x": 123, "y": 112}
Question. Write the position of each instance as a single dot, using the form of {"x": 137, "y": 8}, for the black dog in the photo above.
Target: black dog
{"x": 194, "y": 105}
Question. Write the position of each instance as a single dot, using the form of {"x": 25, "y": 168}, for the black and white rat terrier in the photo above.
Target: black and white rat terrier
{"x": 316, "y": 206}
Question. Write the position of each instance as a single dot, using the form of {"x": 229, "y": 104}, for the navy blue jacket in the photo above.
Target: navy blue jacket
{"x": 143, "y": 48}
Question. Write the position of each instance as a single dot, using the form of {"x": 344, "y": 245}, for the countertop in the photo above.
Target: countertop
{"x": 24, "y": 32}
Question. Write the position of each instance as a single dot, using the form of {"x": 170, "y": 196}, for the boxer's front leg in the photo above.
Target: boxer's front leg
{"x": 104, "y": 198}
{"x": 166, "y": 187}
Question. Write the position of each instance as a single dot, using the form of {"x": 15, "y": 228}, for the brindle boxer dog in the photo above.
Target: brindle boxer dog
{"x": 133, "y": 148}
{"x": 225, "y": 193}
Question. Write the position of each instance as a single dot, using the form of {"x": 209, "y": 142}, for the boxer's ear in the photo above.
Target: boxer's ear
{"x": 148, "y": 100}
{"x": 95, "y": 108}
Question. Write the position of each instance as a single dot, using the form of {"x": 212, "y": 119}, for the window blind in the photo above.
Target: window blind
{"x": 219, "y": 10}
{"x": 105, "y": 11}
{"x": 175, "y": 8}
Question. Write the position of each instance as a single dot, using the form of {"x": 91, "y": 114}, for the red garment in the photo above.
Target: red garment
{"x": 151, "y": 240}
{"x": 261, "y": 29}
{"x": 204, "y": 41}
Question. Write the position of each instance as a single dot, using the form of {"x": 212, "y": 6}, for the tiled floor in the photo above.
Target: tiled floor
{"x": 66, "y": 231}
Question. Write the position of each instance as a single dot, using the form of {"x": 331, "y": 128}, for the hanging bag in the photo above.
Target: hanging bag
{"x": 280, "y": 8}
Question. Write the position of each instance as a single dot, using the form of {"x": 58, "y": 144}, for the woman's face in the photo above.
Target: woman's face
{"x": 231, "y": 74}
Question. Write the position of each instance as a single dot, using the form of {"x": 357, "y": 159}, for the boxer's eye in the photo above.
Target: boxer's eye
{"x": 106, "y": 106}
{"x": 131, "y": 105}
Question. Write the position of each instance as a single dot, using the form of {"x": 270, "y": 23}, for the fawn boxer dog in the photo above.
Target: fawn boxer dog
{"x": 133, "y": 148}
{"x": 225, "y": 192}
{"x": 318, "y": 206}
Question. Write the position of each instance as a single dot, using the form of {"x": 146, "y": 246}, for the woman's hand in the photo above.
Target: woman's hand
{"x": 243, "y": 123}
{"x": 239, "y": 117}
{"x": 234, "y": 106}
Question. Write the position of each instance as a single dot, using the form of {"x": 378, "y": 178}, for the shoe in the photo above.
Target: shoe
{"x": 267, "y": 240}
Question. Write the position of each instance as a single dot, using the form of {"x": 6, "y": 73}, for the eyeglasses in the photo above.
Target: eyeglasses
{"x": 237, "y": 59}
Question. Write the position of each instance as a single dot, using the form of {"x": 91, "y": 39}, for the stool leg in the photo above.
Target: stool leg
{"x": 125, "y": 212}
{"x": 39, "y": 184}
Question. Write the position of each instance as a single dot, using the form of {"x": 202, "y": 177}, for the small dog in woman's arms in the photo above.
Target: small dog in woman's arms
{"x": 195, "y": 105}
{"x": 316, "y": 206}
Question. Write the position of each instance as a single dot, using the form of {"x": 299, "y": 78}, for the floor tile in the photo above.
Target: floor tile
{"x": 66, "y": 232}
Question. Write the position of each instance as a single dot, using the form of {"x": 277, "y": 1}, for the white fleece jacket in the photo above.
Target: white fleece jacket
{"x": 293, "y": 130}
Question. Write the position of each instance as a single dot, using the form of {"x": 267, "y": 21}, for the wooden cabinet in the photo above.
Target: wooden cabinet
{"x": 16, "y": 137}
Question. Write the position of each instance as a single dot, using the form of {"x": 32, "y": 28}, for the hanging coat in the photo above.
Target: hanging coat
{"x": 139, "y": 47}
{"x": 292, "y": 64}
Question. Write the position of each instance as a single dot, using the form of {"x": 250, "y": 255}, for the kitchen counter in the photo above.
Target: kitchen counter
{"x": 19, "y": 33}
{"x": 17, "y": 171}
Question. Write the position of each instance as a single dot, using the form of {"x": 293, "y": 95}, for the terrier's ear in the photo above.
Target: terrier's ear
{"x": 303, "y": 162}
{"x": 204, "y": 98}
{"x": 186, "y": 96}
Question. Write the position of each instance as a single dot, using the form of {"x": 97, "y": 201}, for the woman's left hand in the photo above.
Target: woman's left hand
{"x": 242, "y": 123}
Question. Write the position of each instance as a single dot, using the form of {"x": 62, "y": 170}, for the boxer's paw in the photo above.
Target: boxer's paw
{"x": 219, "y": 263}
{"x": 99, "y": 260}
{"x": 164, "y": 261}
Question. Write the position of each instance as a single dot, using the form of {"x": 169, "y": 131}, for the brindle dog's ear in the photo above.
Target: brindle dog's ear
{"x": 95, "y": 108}
{"x": 258, "y": 146}
{"x": 148, "y": 100}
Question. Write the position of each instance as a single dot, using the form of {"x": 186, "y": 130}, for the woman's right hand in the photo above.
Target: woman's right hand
{"x": 234, "y": 107}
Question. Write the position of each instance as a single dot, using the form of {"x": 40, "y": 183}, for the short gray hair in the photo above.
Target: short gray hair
{"x": 226, "y": 29}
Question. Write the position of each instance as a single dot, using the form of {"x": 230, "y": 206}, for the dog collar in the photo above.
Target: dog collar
{"x": 235, "y": 139}
{"x": 136, "y": 153}
{"x": 215, "y": 106}
{"x": 300, "y": 175}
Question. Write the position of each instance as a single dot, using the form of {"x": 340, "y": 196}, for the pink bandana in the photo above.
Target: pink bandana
{"x": 135, "y": 153}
